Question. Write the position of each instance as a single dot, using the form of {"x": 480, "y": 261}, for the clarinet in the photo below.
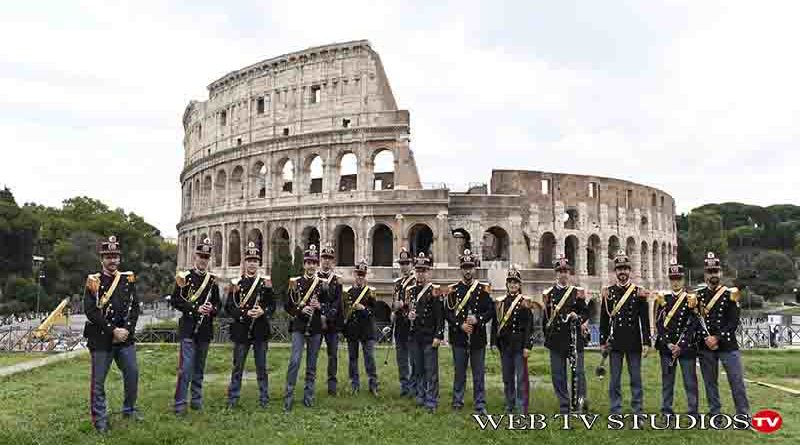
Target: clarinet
{"x": 202, "y": 316}
{"x": 253, "y": 320}
{"x": 576, "y": 399}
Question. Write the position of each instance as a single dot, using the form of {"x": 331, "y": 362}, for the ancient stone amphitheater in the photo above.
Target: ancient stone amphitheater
{"x": 310, "y": 147}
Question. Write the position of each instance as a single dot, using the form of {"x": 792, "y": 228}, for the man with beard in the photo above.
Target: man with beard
{"x": 514, "y": 322}
{"x": 402, "y": 339}
{"x": 719, "y": 307}
{"x": 676, "y": 325}
{"x": 564, "y": 303}
{"x": 427, "y": 329}
{"x": 112, "y": 310}
{"x": 196, "y": 296}
{"x": 304, "y": 305}
{"x": 250, "y": 305}
{"x": 332, "y": 319}
{"x": 625, "y": 333}
{"x": 469, "y": 308}
{"x": 359, "y": 328}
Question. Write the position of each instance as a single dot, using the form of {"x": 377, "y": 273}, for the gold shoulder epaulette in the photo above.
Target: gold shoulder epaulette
{"x": 660, "y": 299}
{"x": 451, "y": 287}
{"x": 547, "y": 291}
{"x": 235, "y": 281}
{"x": 347, "y": 289}
{"x": 735, "y": 294}
{"x": 293, "y": 282}
{"x": 371, "y": 289}
{"x": 500, "y": 298}
{"x": 268, "y": 280}
{"x": 398, "y": 279}
{"x": 486, "y": 287}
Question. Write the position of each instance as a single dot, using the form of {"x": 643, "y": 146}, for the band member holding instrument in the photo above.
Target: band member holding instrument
{"x": 250, "y": 304}
{"x": 304, "y": 305}
{"x": 676, "y": 327}
{"x": 112, "y": 310}
{"x": 469, "y": 307}
{"x": 564, "y": 306}
{"x": 719, "y": 306}
{"x": 359, "y": 328}
{"x": 402, "y": 338}
{"x": 427, "y": 329}
{"x": 196, "y": 296}
{"x": 332, "y": 318}
{"x": 514, "y": 321}
{"x": 625, "y": 312}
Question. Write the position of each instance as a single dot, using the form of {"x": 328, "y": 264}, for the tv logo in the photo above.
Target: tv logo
{"x": 767, "y": 421}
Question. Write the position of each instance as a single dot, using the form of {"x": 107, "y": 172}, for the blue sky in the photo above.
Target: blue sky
{"x": 700, "y": 99}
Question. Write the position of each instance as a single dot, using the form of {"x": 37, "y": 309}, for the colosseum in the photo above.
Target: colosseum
{"x": 310, "y": 147}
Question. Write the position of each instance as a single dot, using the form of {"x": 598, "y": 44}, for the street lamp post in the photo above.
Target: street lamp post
{"x": 39, "y": 286}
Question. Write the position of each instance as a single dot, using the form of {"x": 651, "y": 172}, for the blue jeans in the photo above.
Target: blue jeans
{"x": 732, "y": 362}
{"x": 615, "y": 382}
{"x": 404, "y": 368}
{"x": 426, "y": 373}
{"x": 476, "y": 359}
{"x": 312, "y": 344}
{"x": 515, "y": 379}
{"x": 240, "y": 351}
{"x": 559, "y": 375}
{"x": 689, "y": 374}
{"x": 369, "y": 363}
{"x": 191, "y": 370}
{"x": 332, "y": 347}
{"x": 125, "y": 358}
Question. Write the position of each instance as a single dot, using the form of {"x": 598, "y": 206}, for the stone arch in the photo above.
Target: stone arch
{"x": 630, "y": 247}
{"x": 347, "y": 167}
{"x": 220, "y": 187}
{"x": 285, "y": 175}
{"x": 314, "y": 170}
{"x": 196, "y": 192}
{"x": 420, "y": 239}
{"x": 280, "y": 243}
{"x": 671, "y": 254}
{"x": 190, "y": 249}
{"x": 643, "y": 224}
{"x": 382, "y": 245}
{"x": 495, "y": 244}
{"x": 613, "y": 247}
{"x": 345, "y": 245}
{"x": 216, "y": 240}
{"x": 187, "y": 196}
{"x": 664, "y": 261}
{"x": 593, "y": 255}
{"x": 571, "y": 246}
{"x": 547, "y": 250}
{"x": 309, "y": 236}
{"x": 656, "y": 262}
{"x": 234, "y": 249}
{"x": 571, "y": 219}
{"x": 257, "y": 237}
{"x": 383, "y": 169}
{"x": 645, "y": 261}
{"x": 236, "y": 186}
{"x": 258, "y": 180}
{"x": 207, "y": 188}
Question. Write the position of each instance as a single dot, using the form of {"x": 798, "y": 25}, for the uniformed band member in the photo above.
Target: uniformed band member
{"x": 513, "y": 338}
{"x": 250, "y": 304}
{"x": 333, "y": 320}
{"x": 196, "y": 296}
{"x": 304, "y": 305}
{"x": 720, "y": 318}
{"x": 427, "y": 330}
{"x": 402, "y": 339}
{"x": 469, "y": 309}
{"x": 676, "y": 326}
{"x": 562, "y": 304}
{"x": 112, "y": 310}
{"x": 359, "y": 328}
{"x": 625, "y": 333}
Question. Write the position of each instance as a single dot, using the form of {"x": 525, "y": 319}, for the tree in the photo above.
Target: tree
{"x": 773, "y": 275}
{"x": 280, "y": 268}
{"x": 706, "y": 235}
{"x": 18, "y": 229}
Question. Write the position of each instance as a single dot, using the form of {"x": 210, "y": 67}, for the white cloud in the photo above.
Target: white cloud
{"x": 699, "y": 99}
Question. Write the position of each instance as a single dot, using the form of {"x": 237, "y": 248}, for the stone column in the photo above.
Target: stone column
{"x": 583, "y": 259}
{"x": 224, "y": 245}
{"x": 400, "y": 233}
{"x": 441, "y": 249}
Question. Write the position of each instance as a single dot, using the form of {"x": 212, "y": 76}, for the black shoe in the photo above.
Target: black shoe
{"x": 332, "y": 392}
{"x": 354, "y": 391}
{"x": 135, "y": 416}
{"x": 263, "y": 405}
{"x": 102, "y": 428}
{"x": 230, "y": 405}
{"x": 403, "y": 393}
{"x": 430, "y": 410}
{"x": 457, "y": 407}
{"x": 374, "y": 391}
{"x": 181, "y": 414}
{"x": 308, "y": 403}
{"x": 196, "y": 407}
{"x": 481, "y": 411}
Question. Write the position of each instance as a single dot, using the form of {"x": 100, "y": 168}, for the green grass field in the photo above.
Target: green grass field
{"x": 12, "y": 358}
{"x": 50, "y": 405}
